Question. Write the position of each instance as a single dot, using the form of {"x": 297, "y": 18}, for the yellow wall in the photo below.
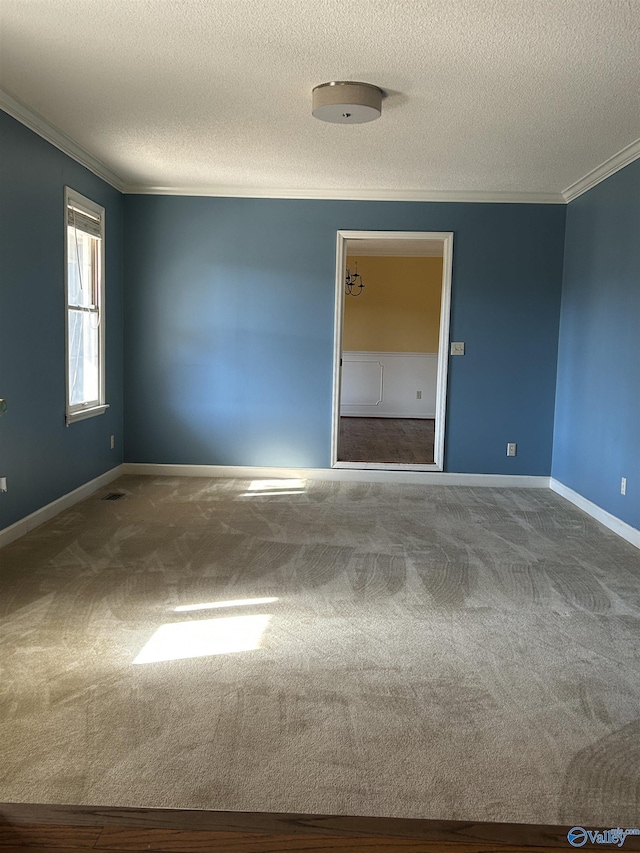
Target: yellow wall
{"x": 399, "y": 308}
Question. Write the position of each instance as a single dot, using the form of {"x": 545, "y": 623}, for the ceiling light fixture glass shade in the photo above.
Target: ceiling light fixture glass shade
{"x": 345, "y": 102}
{"x": 353, "y": 285}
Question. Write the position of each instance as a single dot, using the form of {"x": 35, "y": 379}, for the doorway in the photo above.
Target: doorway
{"x": 390, "y": 383}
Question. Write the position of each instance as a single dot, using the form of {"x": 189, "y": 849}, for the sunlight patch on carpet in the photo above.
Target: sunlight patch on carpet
{"x": 211, "y": 605}
{"x": 262, "y": 488}
{"x": 181, "y": 640}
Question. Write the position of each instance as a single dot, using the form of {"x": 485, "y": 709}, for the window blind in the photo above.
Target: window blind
{"x": 83, "y": 221}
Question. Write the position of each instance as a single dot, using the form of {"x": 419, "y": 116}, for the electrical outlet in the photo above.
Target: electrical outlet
{"x": 511, "y": 448}
{"x": 418, "y": 395}
{"x": 3, "y": 484}
{"x": 623, "y": 486}
{"x": 457, "y": 348}
{"x": 113, "y": 441}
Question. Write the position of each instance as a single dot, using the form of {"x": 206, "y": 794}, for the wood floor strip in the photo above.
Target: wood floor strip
{"x": 250, "y": 828}
{"x": 167, "y": 841}
{"x": 47, "y": 839}
{"x": 43, "y": 828}
{"x": 243, "y": 843}
{"x": 49, "y": 836}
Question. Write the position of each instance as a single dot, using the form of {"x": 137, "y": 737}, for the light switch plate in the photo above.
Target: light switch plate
{"x": 457, "y": 348}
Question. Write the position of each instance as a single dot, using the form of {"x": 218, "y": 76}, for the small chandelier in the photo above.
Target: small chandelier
{"x": 353, "y": 285}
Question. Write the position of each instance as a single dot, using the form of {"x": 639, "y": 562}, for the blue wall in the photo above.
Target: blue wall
{"x": 597, "y": 424}
{"x": 226, "y": 331}
{"x": 40, "y": 456}
{"x": 229, "y": 328}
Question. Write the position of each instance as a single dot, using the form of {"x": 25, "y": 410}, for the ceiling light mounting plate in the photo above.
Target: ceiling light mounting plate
{"x": 347, "y": 102}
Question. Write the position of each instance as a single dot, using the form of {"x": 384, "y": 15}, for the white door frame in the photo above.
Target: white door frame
{"x": 443, "y": 343}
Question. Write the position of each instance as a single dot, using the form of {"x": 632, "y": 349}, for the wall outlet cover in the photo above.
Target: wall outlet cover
{"x": 457, "y": 348}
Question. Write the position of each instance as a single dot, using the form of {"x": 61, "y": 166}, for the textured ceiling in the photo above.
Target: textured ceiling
{"x": 483, "y": 96}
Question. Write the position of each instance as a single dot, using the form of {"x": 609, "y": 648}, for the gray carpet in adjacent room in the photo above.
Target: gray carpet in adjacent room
{"x": 434, "y": 652}
{"x": 400, "y": 440}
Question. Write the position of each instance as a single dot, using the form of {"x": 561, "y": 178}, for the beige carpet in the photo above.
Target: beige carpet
{"x": 432, "y": 652}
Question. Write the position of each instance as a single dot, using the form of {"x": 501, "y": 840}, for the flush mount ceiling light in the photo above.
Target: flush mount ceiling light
{"x": 345, "y": 102}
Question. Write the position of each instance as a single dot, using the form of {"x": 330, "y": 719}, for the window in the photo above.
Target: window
{"x": 84, "y": 265}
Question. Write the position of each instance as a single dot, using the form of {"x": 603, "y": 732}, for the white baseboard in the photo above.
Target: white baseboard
{"x": 45, "y": 513}
{"x": 626, "y": 531}
{"x": 388, "y": 466}
{"x": 359, "y": 412}
{"x": 434, "y": 478}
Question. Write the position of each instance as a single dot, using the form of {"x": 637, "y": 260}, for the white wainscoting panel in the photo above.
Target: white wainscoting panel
{"x": 362, "y": 381}
{"x": 385, "y": 384}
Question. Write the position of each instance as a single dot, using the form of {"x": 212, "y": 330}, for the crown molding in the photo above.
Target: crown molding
{"x": 34, "y": 121}
{"x": 352, "y": 195}
{"x": 604, "y": 170}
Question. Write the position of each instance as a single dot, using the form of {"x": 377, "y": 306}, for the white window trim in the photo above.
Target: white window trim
{"x": 85, "y": 410}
